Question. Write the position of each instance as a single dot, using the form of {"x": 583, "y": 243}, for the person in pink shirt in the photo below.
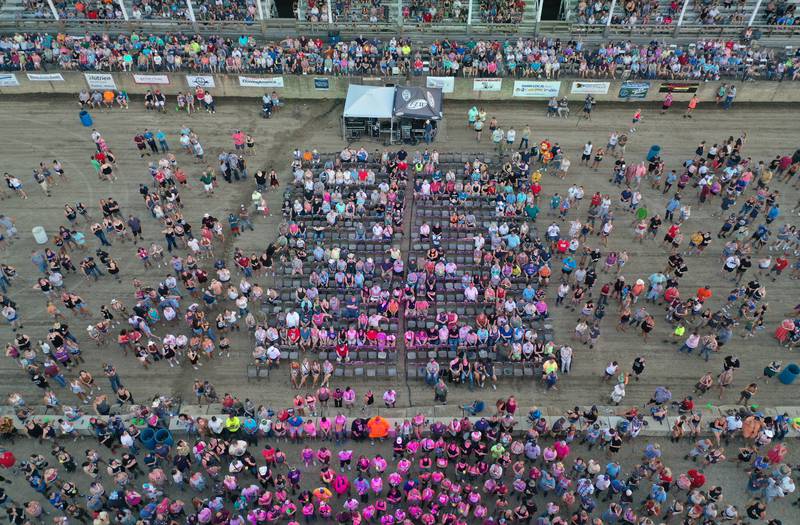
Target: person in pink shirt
{"x": 349, "y": 398}
{"x": 239, "y": 139}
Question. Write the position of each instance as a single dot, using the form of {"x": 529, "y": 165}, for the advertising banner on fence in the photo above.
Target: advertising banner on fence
{"x": 8, "y": 80}
{"x": 446, "y": 84}
{"x": 678, "y": 87}
{"x": 45, "y": 77}
{"x": 203, "y": 81}
{"x": 487, "y": 84}
{"x": 100, "y": 81}
{"x": 590, "y": 88}
{"x": 634, "y": 89}
{"x": 322, "y": 83}
{"x": 150, "y": 79}
{"x": 261, "y": 82}
{"x": 536, "y": 89}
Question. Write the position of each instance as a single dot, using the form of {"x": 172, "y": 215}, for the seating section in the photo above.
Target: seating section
{"x": 445, "y": 324}
{"x": 343, "y": 226}
{"x": 487, "y": 11}
{"x": 371, "y": 11}
{"x": 782, "y": 13}
{"x": 230, "y": 10}
{"x": 158, "y": 9}
{"x": 427, "y": 12}
{"x": 88, "y": 10}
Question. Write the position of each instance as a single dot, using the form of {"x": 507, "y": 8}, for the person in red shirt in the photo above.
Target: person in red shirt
{"x": 704, "y": 293}
{"x": 697, "y": 478}
{"x": 670, "y": 294}
{"x": 780, "y": 264}
{"x": 669, "y": 237}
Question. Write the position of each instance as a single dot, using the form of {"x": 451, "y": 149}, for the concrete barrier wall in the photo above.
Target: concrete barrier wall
{"x": 319, "y": 87}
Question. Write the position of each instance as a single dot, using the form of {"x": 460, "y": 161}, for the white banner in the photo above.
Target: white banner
{"x": 8, "y": 79}
{"x": 45, "y": 77}
{"x": 150, "y": 79}
{"x": 590, "y": 88}
{"x": 261, "y": 82}
{"x": 536, "y": 89}
{"x": 100, "y": 80}
{"x": 203, "y": 81}
{"x": 446, "y": 84}
{"x": 487, "y": 84}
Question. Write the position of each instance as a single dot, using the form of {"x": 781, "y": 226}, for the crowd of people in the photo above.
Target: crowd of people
{"x": 523, "y": 58}
{"x": 496, "y": 254}
{"x": 253, "y": 465}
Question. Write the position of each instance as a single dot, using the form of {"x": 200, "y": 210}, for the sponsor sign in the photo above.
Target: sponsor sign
{"x": 203, "y": 81}
{"x": 45, "y": 77}
{"x": 100, "y": 81}
{"x": 150, "y": 79}
{"x": 536, "y": 89}
{"x": 487, "y": 84}
{"x": 678, "y": 87}
{"x": 634, "y": 89}
{"x": 261, "y": 82}
{"x": 446, "y": 84}
{"x": 8, "y": 80}
{"x": 322, "y": 83}
{"x": 590, "y": 88}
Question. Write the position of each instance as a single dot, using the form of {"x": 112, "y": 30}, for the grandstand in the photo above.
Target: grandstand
{"x": 590, "y": 21}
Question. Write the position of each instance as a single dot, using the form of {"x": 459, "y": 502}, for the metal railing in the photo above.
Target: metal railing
{"x": 271, "y": 26}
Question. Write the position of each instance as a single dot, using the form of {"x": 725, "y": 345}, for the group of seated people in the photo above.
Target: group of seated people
{"x": 225, "y": 10}
{"x": 204, "y": 10}
{"x": 87, "y": 9}
{"x": 487, "y": 11}
{"x": 781, "y": 12}
{"x": 339, "y": 294}
{"x": 428, "y": 11}
{"x": 372, "y": 11}
{"x": 591, "y": 12}
{"x": 706, "y": 59}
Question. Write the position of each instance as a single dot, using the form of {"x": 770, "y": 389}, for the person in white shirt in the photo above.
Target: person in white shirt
{"x": 587, "y": 153}
{"x": 471, "y": 293}
{"x": 216, "y": 425}
{"x": 511, "y": 136}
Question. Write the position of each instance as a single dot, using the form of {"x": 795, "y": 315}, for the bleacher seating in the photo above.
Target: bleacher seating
{"x": 456, "y": 246}
{"x": 350, "y": 304}
{"x": 158, "y": 9}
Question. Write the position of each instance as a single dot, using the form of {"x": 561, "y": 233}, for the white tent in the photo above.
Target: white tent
{"x": 369, "y": 102}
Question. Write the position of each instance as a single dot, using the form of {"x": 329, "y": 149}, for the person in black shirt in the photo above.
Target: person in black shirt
{"x": 731, "y": 362}
{"x": 638, "y": 367}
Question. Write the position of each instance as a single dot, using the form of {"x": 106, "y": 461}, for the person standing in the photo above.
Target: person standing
{"x": 497, "y": 139}
{"x": 524, "y": 137}
{"x": 666, "y": 104}
{"x": 511, "y": 137}
{"x": 730, "y": 95}
{"x": 478, "y": 129}
{"x": 588, "y": 105}
{"x": 440, "y": 392}
{"x": 691, "y": 107}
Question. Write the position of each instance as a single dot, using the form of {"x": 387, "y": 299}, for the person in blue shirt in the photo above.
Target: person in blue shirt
{"x": 673, "y": 204}
{"x": 161, "y": 137}
{"x": 773, "y": 213}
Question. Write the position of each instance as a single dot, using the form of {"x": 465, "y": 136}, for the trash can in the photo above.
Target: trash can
{"x": 86, "y": 118}
{"x": 655, "y": 151}
{"x": 148, "y": 438}
{"x": 39, "y": 235}
{"x": 163, "y": 436}
{"x": 789, "y": 374}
